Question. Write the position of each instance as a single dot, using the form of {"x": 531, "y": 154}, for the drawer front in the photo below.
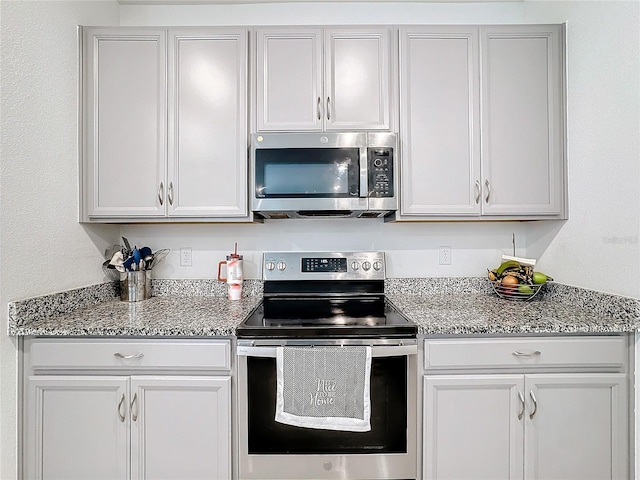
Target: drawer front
{"x": 569, "y": 352}
{"x": 74, "y": 354}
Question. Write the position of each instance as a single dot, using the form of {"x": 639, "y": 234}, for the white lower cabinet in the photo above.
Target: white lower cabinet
{"x": 105, "y": 425}
{"x": 514, "y": 425}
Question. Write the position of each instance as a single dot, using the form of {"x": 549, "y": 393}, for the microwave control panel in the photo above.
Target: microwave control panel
{"x": 380, "y": 171}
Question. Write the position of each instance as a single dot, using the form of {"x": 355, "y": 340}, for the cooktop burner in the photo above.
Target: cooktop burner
{"x": 325, "y": 295}
{"x": 321, "y": 318}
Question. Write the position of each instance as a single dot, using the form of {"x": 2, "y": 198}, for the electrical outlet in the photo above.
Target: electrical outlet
{"x": 445, "y": 255}
{"x": 185, "y": 257}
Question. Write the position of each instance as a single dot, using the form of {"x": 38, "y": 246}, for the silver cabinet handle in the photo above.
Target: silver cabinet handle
{"x": 120, "y": 405}
{"x": 128, "y": 357}
{"x": 161, "y": 193}
{"x": 486, "y": 184}
{"x": 318, "y": 108}
{"x": 170, "y": 193}
{"x": 134, "y": 415}
{"x": 328, "y": 108}
{"x": 477, "y": 191}
{"x": 521, "y": 397}
{"x": 535, "y": 404}
{"x": 526, "y": 354}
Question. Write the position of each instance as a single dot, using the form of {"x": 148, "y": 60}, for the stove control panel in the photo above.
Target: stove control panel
{"x": 323, "y": 266}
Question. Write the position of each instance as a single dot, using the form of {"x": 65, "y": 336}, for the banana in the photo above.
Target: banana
{"x": 492, "y": 275}
{"x": 510, "y": 264}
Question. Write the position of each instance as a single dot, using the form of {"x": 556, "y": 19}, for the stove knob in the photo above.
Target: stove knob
{"x": 270, "y": 266}
{"x": 377, "y": 266}
{"x": 355, "y": 266}
{"x": 281, "y": 265}
{"x": 366, "y": 265}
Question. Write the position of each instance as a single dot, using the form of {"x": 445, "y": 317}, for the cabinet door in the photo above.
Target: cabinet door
{"x": 357, "y": 79}
{"x": 207, "y": 123}
{"x": 579, "y": 428}
{"x": 125, "y": 122}
{"x": 289, "y": 80}
{"x": 523, "y": 140}
{"x": 77, "y": 428}
{"x": 439, "y": 101}
{"x": 181, "y": 427}
{"x": 473, "y": 427}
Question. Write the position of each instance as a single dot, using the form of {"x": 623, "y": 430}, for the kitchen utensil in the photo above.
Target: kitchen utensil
{"x": 111, "y": 250}
{"x": 158, "y": 257}
{"x": 110, "y": 271}
{"x": 136, "y": 259}
{"x": 128, "y": 264}
{"x": 117, "y": 261}
{"x": 126, "y": 243}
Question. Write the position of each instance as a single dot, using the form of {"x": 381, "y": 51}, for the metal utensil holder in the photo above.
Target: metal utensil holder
{"x": 136, "y": 286}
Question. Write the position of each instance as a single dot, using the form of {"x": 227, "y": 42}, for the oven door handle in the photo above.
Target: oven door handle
{"x": 376, "y": 351}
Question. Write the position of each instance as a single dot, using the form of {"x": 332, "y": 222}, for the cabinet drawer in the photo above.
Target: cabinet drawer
{"x": 79, "y": 354}
{"x": 568, "y": 352}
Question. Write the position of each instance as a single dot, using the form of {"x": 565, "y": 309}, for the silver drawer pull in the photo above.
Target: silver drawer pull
{"x": 128, "y": 357}
{"x": 120, "y": 405}
{"x": 526, "y": 354}
{"x": 521, "y": 397}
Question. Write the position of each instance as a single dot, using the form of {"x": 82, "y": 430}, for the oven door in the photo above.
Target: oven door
{"x": 271, "y": 450}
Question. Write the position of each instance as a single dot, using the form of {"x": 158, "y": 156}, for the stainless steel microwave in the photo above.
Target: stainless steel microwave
{"x": 322, "y": 175}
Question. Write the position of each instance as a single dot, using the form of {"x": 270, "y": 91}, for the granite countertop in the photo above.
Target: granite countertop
{"x": 477, "y": 314}
{"x": 184, "y": 308}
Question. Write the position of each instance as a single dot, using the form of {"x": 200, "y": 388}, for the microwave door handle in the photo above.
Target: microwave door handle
{"x": 364, "y": 173}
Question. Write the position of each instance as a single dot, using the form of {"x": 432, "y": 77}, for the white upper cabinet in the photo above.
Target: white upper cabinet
{"x": 482, "y": 129}
{"x": 522, "y": 119}
{"x": 207, "y": 123}
{"x": 125, "y": 122}
{"x": 313, "y": 79}
{"x": 440, "y": 121}
{"x": 165, "y": 124}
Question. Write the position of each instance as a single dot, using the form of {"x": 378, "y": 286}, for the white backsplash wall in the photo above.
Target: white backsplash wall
{"x": 411, "y": 248}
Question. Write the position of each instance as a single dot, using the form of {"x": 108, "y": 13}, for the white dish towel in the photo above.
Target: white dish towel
{"x": 324, "y": 387}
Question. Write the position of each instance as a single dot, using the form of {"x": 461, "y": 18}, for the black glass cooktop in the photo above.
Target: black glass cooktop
{"x": 333, "y": 317}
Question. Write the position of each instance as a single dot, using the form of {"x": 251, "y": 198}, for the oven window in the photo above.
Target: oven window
{"x": 388, "y": 415}
{"x": 307, "y": 172}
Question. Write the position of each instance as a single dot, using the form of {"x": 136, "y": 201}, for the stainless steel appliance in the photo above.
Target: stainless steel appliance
{"x": 322, "y": 298}
{"x": 311, "y": 175}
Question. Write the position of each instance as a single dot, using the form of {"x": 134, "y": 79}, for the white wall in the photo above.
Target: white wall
{"x": 319, "y": 13}
{"x": 44, "y": 249}
{"x": 412, "y": 248}
{"x": 599, "y": 247}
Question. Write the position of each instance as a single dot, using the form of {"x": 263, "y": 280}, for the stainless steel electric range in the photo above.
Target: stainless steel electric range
{"x": 327, "y": 298}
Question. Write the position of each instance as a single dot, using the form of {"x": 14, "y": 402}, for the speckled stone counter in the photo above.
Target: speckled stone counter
{"x": 178, "y": 309}
{"x": 470, "y": 307}
{"x": 440, "y": 306}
